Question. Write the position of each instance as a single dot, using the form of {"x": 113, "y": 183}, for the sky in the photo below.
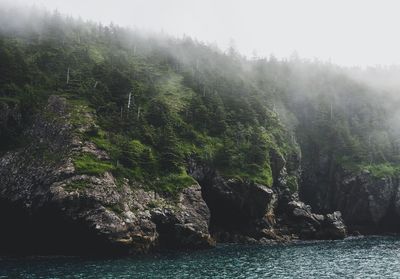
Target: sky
{"x": 345, "y": 32}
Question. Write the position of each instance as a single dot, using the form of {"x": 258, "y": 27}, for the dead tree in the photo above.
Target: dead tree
{"x": 68, "y": 75}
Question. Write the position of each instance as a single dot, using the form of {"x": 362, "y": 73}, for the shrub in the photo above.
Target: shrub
{"x": 89, "y": 164}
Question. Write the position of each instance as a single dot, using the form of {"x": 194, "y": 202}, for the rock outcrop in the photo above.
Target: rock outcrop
{"x": 56, "y": 209}
{"x": 369, "y": 204}
{"x": 308, "y": 225}
{"x": 186, "y": 227}
{"x": 243, "y": 211}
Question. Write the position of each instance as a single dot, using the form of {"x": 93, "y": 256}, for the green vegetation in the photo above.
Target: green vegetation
{"x": 89, "y": 164}
{"x": 379, "y": 170}
{"x": 292, "y": 184}
{"x": 383, "y": 170}
{"x": 153, "y": 103}
{"x": 80, "y": 112}
{"x": 174, "y": 183}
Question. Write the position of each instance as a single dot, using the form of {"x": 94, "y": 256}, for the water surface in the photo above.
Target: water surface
{"x": 372, "y": 257}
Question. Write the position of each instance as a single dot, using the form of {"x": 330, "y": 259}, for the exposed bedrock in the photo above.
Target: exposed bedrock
{"x": 47, "y": 207}
{"x": 369, "y": 204}
{"x": 250, "y": 212}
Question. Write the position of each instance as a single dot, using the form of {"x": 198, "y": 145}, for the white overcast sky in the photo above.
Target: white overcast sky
{"x": 346, "y": 32}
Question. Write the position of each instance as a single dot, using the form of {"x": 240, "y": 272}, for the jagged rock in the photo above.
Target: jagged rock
{"x": 368, "y": 204}
{"x": 278, "y": 168}
{"x": 68, "y": 212}
{"x": 241, "y": 210}
{"x": 186, "y": 226}
{"x": 315, "y": 226}
{"x": 334, "y": 226}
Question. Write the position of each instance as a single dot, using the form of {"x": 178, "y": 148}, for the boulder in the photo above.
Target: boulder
{"x": 309, "y": 225}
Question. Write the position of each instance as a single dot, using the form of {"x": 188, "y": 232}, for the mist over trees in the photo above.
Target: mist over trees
{"x": 161, "y": 100}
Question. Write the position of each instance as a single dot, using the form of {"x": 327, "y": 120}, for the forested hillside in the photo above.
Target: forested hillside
{"x": 160, "y": 102}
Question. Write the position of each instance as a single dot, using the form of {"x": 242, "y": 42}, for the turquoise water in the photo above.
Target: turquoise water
{"x": 373, "y": 257}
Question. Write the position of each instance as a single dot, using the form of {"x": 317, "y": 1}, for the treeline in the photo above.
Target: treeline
{"x": 159, "y": 101}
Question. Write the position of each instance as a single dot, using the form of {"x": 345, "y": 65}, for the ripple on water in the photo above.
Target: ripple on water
{"x": 372, "y": 257}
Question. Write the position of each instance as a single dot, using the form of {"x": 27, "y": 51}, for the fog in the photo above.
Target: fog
{"x": 356, "y": 32}
{"x": 308, "y": 80}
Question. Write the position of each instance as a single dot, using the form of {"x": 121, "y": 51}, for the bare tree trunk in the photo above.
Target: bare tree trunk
{"x": 129, "y": 100}
{"x": 369, "y": 150}
{"x": 68, "y": 75}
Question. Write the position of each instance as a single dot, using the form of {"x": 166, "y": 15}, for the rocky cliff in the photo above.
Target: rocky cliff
{"x": 369, "y": 203}
{"x": 243, "y": 211}
{"x": 48, "y": 205}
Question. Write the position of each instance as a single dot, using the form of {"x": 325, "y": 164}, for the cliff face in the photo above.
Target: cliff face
{"x": 250, "y": 212}
{"x": 48, "y": 205}
{"x": 369, "y": 204}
